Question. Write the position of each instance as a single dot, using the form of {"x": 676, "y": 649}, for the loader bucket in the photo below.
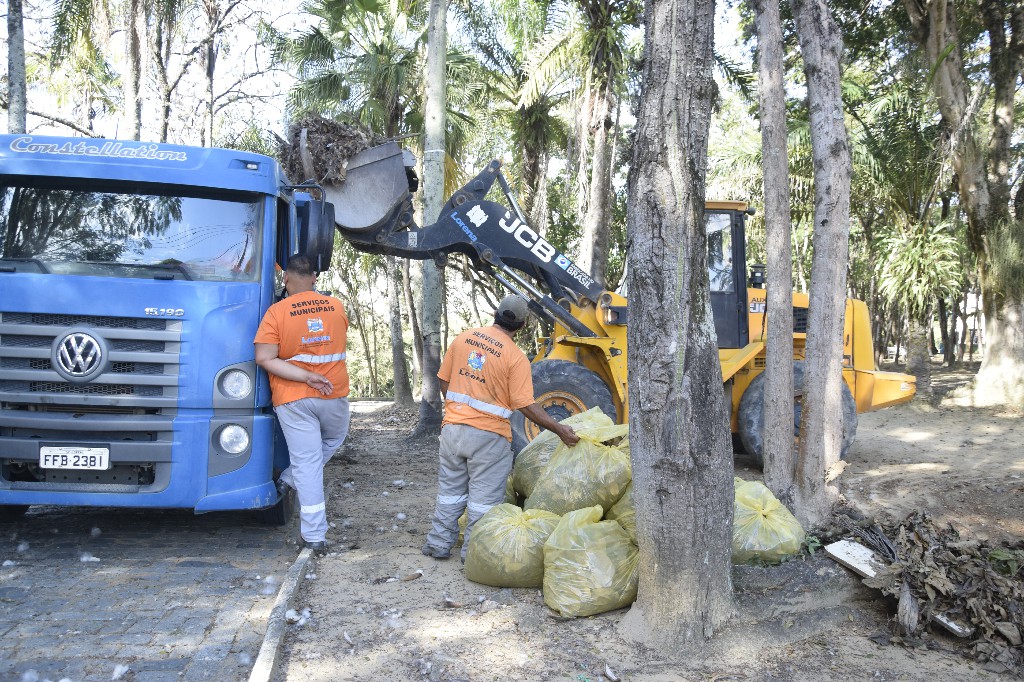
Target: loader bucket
{"x": 375, "y": 182}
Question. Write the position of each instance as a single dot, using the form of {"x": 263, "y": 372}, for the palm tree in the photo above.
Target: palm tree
{"x": 363, "y": 62}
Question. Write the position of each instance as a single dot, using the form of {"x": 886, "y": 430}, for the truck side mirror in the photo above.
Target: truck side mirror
{"x": 316, "y": 232}
{"x": 757, "y": 278}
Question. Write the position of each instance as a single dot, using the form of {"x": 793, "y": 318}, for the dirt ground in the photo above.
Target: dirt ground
{"x": 806, "y": 620}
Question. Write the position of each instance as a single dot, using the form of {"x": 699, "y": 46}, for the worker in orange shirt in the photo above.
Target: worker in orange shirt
{"x": 301, "y": 345}
{"x": 484, "y": 377}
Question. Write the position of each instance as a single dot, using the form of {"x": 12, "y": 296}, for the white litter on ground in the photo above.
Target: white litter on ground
{"x": 86, "y": 557}
{"x": 119, "y": 671}
{"x": 22, "y": 547}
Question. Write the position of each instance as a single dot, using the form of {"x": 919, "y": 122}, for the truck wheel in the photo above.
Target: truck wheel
{"x": 563, "y": 389}
{"x": 751, "y": 415}
{"x": 9, "y": 513}
{"x": 282, "y": 512}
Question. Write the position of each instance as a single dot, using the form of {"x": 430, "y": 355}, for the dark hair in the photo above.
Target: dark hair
{"x": 508, "y": 325}
{"x": 301, "y": 266}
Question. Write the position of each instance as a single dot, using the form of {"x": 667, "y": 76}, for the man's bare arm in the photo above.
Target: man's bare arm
{"x": 536, "y": 414}
{"x": 267, "y": 358}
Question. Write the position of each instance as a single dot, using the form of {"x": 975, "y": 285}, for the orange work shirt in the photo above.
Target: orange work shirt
{"x": 310, "y": 330}
{"x": 488, "y": 378}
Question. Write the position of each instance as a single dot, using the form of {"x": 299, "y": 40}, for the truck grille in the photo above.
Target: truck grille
{"x": 142, "y": 371}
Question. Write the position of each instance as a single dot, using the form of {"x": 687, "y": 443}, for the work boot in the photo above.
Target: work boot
{"x": 319, "y": 548}
{"x": 436, "y": 552}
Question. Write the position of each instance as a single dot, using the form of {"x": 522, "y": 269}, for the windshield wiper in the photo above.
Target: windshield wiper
{"x": 34, "y": 261}
{"x": 171, "y": 268}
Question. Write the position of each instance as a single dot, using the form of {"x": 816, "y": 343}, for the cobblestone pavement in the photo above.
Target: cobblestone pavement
{"x": 86, "y": 593}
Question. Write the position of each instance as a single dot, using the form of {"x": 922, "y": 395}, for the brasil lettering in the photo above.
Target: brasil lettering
{"x": 118, "y": 150}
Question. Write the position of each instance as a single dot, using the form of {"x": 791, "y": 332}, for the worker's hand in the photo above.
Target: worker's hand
{"x": 320, "y": 383}
{"x": 567, "y": 435}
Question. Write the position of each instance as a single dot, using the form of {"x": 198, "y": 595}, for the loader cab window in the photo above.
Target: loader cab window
{"x": 720, "y": 252}
{"x": 726, "y": 256}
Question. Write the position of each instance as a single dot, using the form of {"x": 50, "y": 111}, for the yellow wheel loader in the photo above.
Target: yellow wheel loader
{"x": 582, "y": 364}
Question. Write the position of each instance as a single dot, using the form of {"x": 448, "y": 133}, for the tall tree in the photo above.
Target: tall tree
{"x": 995, "y": 236}
{"x": 821, "y": 429}
{"x": 433, "y": 200}
{"x": 680, "y": 448}
{"x": 779, "y": 462}
{"x": 17, "y": 104}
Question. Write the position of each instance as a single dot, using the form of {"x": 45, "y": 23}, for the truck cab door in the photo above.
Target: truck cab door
{"x": 726, "y": 257}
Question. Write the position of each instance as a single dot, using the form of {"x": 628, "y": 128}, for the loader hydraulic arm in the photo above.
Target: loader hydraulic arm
{"x": 497, "y": 239}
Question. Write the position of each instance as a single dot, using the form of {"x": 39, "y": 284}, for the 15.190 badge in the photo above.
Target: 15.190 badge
{"x": 165, "y": 312}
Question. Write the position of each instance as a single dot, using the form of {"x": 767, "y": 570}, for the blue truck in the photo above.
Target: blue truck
{"x": 132, "y": 279}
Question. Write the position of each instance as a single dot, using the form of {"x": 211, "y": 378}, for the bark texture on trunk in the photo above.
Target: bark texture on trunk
{"x": 594, "y": 248}
{"x": 433, "y": 200}
{"x": 779, "y": 460}
{"x": 403, "y": 389}
{"x": 17, "y": 105}
{"x": 821, "y": 416}
{"x": 918, "y": 359}
{"x": 681, "y": 454}
{"x": 133, "y": 69}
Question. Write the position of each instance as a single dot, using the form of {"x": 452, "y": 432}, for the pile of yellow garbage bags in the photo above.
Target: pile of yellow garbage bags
{"x": 574, "y": 534}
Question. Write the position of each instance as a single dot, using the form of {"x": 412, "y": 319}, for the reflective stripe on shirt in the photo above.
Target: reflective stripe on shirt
{"x": 316, "y": 359}
{"x": 496, "y": 410}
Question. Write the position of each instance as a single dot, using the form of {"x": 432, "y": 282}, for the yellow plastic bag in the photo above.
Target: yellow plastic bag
{"x": 590, "y": 566}
{"x": 507, "y": 547}
{"x": 624, "y": 512}
{"x": 762, "y": 528}
{"x": 532, "y": 459}
{"x": 586, "y": 474}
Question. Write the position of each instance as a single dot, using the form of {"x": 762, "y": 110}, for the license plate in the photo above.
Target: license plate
{"x": 60, "y": 457}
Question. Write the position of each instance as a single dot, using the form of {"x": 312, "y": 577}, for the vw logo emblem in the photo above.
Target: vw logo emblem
{"x": 79, "y": 355}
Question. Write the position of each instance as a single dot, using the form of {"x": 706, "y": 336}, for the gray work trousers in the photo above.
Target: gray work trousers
{"x": 473, "y": 473}
{"x": 314, "y": 429}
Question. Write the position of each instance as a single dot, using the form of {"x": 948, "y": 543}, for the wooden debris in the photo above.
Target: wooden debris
{"x": 868, "y": 564}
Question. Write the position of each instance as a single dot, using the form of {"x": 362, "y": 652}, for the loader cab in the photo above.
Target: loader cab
{"x": 725, "y": 223}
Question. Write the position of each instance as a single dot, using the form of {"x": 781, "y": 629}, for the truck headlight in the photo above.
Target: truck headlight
{"x": 234, "y": 439}
{"x": 235, "y": 384}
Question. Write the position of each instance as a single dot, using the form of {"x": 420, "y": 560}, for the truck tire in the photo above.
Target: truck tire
{"x": 9, "y": 513}
{"x": 750, "y": 415}
{"x": 281, "y": 513}
{"x": 563, "y": 389}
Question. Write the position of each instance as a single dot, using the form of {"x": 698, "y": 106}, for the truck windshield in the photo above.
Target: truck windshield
{"x": 103, "y": 230}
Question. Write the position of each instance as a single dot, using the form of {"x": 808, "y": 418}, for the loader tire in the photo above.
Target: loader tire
{"x": 751, "y": 415}
{"x": 563, "y": 389}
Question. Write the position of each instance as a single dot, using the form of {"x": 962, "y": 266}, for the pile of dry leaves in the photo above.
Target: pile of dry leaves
{"x": 317, "y": 148}
{"x": 937, "y": 574}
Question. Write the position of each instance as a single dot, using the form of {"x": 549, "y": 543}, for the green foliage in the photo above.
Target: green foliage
{"x": 1005, "y": 276}
{"x": 1006, "y": 561}
{"x": 921, "y": 263}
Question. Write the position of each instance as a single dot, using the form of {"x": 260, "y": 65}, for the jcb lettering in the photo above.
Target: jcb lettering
{"x": 527, "y": 237}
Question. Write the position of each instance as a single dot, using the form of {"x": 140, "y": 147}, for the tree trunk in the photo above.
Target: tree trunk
{"x": 414, "y": 322}
{"x": 403, "y": 389}
{"x": 17, "y": 105}
{"x": 538, "y": 214}
{"x": 433, "y": 200}
{"x": 821, "y": 416}
{"x": 133, "y": 69}
{"x": 594, "y": 247}
{"x": 918, "y": 361}
{"x": 984, "y": 193}
{"x": 779, "y": 461}
{"x": 681, "y": 454}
